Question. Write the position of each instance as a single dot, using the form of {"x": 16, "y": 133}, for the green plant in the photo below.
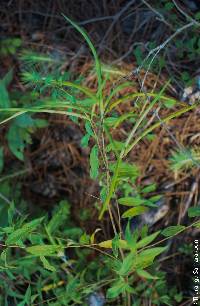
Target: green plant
{"x": 9, "y": 46}
{"x": 36, "y": 254}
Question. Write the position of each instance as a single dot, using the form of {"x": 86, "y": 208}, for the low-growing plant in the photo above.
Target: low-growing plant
{"x": 47, "y": 260}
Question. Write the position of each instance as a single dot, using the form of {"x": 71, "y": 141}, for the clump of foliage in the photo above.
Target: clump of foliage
{"x": 45, "y": 260}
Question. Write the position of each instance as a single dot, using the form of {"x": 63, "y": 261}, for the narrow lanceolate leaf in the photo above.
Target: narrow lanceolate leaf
{"x": 145, "y": 274}
{"x": 128, "y": 170}
{"x": 23, "y": 232}
{"x": 145, "y": 241}
{"x": 131, "y": 201}
{"x": 127, "y": 265}
{"x": 46, "y": 264}
{"x": 107, "y": 244}
{"x": 44, "y": 250}
{"x": 94, "y": 53}
{"x": 172, "y": 230}
{"x": 135, "y": 211}
{"x": 94, "y": 162}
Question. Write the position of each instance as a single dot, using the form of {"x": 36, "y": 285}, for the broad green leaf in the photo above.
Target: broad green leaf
{"x": 94, "y": 162}
{"x": 47, "y": 265}
{"x": 145, "y": 274}
{"x": 145, "y": 241}
{"x": 135, "y": 211}
{"x": 131, "y": 201}
{"x": 22, "y": 233}
{"x": 44, "y": 250}
{"x": 146, "y": 257}
{"x": 172, "y": 230}
{"x": 194, "y": 211}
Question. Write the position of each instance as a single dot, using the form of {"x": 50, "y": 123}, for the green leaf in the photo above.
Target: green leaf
{"x": 22, "y": 233}
{"x": 155, "y": 198}
{"x": 130, "y": 237}
{"x": 170, "y": 103}
{"x": 84, "y": 239}
{"x": 194, "y": 212}
{"x": 127, "y": 264}
{"x": 135, "y": 211}
{"x": 145, "y": 241}
{"x": 145, "y": 274}
{"x": 92, "y": 48}
{"x": 131, "y": 201}
{"x": 172, "y": 230}
{"x": 44, "y": 250}
{"x": 11, "y": 213}
{"x": 4, "y": 97}
{"x": 114, "y": 146}
{"x": 24, "y": 121}
{"x": 94, "y": 162}
{"x": 15, "y": 142}
{"x": 128, "y": 170}
{"x": 47, "y": 265}
{"x": 115, "y": 245}
{"x": 116, "y": 289}
{"x": 27, "y": 297}
{"x": 149, "y": 188}
{"x": 110, "y": 121}
{"x": 146, "y": 257}
{"x": 88, "y": 128}
{"x": 107, "y": 244}
{"x": 40, "y": 123}
{"x": 1, "y": 159}
{"x": 84, "y": 141}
